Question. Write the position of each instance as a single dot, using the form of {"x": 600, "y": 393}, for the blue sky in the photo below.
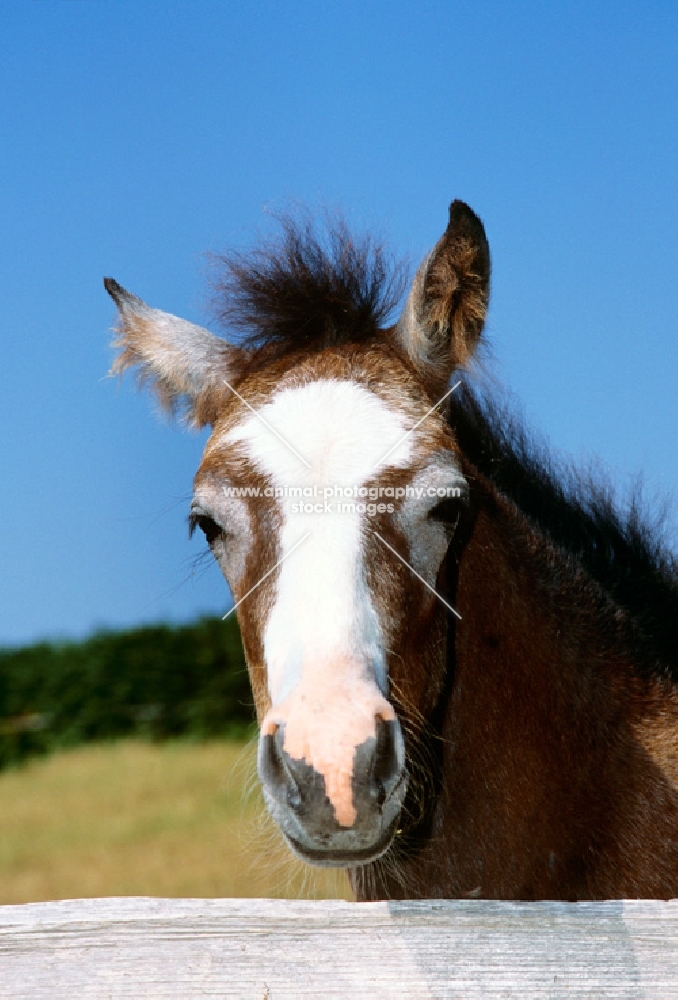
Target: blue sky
{"x": 136, "y": 137}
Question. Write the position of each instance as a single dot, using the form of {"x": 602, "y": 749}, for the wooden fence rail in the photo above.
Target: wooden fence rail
{"x": 287, "y": 950}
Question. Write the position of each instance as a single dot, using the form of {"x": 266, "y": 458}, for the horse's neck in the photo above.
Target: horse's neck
{"x": 533, "y": 681}
{"x": 542, "y": 772}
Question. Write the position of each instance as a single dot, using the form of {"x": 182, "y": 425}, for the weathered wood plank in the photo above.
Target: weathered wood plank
{"x": 288, "y": 950}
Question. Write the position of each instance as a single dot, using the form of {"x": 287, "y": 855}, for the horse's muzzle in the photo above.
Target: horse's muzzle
{"x": 296, "y": 796}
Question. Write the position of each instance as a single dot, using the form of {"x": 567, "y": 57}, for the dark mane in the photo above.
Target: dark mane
{"x": 623, "y": 549}
{"x": 307, "y": 289}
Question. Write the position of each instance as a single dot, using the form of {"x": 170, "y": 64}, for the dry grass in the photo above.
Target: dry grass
{"x": 132, "y": 818}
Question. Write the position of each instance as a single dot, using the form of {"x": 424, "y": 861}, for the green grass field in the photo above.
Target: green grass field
{"x": 135, "y": 818}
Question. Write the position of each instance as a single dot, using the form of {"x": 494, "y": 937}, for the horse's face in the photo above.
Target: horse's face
{"x": 343, "y": 484}
{"x": 328, "y": 492}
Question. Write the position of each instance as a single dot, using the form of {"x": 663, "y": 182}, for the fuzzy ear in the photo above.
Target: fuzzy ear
{"x": 184, "y": 364}
{"x": 444, "y": 314}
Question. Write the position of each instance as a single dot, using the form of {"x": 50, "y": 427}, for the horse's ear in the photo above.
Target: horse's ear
{"x": 444, "y": 314}
{"x": 185, "y": 365}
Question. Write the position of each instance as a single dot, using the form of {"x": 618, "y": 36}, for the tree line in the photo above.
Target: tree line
{"x": 158, "y": 682}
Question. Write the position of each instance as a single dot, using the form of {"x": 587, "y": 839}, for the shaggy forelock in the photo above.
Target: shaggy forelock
{"x": 307, "y": 289}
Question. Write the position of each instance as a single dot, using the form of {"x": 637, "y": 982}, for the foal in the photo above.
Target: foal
{"x": 459, "y": 690}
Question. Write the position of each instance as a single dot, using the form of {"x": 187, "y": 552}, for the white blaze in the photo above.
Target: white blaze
{"x": 322, "y": 612}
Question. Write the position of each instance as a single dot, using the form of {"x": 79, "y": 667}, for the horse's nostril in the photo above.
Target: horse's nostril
{"x": 388, "y": 758}
{"x": 271, "y": 767}
{"x": 274, "y": 771}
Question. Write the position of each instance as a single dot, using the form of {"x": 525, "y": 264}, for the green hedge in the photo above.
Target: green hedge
{"x": 157, "y": 682}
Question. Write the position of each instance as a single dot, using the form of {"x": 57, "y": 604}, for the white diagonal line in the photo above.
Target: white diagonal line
{"x": 258, "y": 584}
{"x": 413, "y": 429}
{"x": 266, "y": 424}
{"x": 405, "y": 563}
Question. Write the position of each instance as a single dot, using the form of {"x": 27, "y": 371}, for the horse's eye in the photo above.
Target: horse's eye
{"x": 207, "y": 525}
{"x": 447, "y": 511}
